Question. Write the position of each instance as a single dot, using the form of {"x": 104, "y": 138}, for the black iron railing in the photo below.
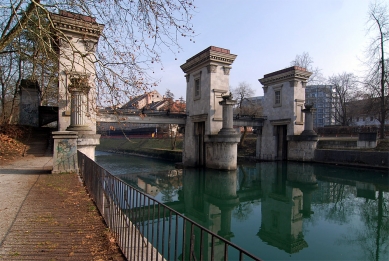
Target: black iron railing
{"x": 146, "y": 229}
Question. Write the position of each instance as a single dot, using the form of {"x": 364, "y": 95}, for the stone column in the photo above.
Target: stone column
{"x": 221, "y": 149}
{"x": 308, "y": 123}
{"x": 79, "y": 89}
{"x": 258, "y": 143}
{"x": 228, "y": 119}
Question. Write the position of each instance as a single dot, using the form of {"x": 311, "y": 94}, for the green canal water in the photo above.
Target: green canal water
{"x": 276, "y": 211}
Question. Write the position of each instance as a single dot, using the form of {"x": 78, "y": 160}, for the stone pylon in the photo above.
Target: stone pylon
{"x": 77, "y": 37}
{"x": 207, "y": 77}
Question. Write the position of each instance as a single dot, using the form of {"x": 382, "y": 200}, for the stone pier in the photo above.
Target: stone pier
{"x": 284, "y": 97}
{"x": 221, "y": 149}
{"x": 78, "y": 36}
{"x": 209, "y": 139}
{"x": 302, "y": 147}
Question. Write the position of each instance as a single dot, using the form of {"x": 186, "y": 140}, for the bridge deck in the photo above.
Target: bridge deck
{"x": 151, "y": 117}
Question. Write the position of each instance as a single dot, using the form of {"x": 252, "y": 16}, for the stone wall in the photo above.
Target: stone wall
{"x": 301, "y": 150}
{"x": 353, "y": 157}
{"x": 336, "y": 144}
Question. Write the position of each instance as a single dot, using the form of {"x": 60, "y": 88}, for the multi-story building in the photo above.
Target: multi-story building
{"x": 141, "y": 101}
{"x": 323, "y": 98}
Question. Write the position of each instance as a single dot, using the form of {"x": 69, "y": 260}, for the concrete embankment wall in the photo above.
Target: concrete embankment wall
{"x": 175, "y": 156}
{"x": 337, "y": 144}
{"x": 376, "y": 159}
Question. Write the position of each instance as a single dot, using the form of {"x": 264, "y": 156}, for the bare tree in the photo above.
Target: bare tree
{"x": 346, "y": 91}
{"x": 135, "y": 34}
{"x": 377, "y": 77}
{"x": 305, "y": 61}
{"x": 169, "y": 97}
{"x": 10, "y": 67}
{"x": 242, "y": 92}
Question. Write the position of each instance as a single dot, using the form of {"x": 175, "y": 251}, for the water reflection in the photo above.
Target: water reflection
{"x": 286, "y": 201}
{"x": 283, "y": 211}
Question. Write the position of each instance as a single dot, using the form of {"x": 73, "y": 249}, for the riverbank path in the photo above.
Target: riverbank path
{"x": 49, "y": 217}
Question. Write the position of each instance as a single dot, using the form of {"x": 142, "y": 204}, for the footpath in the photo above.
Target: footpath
{"x": 46, "y": 216}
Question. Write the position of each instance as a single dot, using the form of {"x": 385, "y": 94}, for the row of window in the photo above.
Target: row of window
{"x": 362, "y": 118}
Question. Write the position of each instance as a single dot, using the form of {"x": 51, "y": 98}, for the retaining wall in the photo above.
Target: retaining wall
{"x": 336, "y": 144}
{"x": 175, "y": 156}
{"x": 351, "y": 157}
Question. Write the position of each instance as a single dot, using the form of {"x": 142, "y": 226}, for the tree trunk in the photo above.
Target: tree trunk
{"x": 242, "y": 138}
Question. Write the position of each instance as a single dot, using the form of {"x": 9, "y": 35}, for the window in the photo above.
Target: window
{"x": 371, "y": 118}
{"x": 357, "y": 119}
{"x": 197, "y": 87}
{"x": 277, "y": 96}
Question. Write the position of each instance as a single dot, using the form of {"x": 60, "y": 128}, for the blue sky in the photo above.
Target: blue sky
{"x": 268, "y": 34}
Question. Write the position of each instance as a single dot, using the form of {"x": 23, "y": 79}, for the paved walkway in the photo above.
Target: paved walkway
{"x": 49, "y": 217}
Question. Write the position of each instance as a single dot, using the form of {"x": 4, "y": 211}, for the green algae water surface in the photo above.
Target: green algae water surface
{"x": 276, "y": 211}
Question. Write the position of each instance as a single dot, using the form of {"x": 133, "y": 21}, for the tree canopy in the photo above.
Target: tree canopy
{"x": 135, "y": 35}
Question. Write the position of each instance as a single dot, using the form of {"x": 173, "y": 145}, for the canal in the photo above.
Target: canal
{"x": 277, "y": 211}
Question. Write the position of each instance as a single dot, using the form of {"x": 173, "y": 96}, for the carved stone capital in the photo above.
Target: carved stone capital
{"x": 90, "y": 46}
{"x": 63, "y": 43}
{"x": 293, "y": 83}
{"x": 187, "y": 76}
{"x": 211, "y": 68}
{"x": 79, "y": 83}
{"x": 226, "y": 70}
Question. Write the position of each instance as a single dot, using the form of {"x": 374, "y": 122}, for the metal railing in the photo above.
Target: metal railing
{"x": 146, "y": 229}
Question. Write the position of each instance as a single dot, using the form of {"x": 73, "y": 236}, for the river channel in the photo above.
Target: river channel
{"x": 275, "y": 210}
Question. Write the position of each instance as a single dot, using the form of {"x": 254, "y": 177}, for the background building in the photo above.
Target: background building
{"x": 323, "y": 98}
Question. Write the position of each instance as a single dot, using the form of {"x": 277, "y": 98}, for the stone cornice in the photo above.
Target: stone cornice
{"x": 87, "y": 28}
{"x": 288, "y": 74}
{"x": 205, "y": 57}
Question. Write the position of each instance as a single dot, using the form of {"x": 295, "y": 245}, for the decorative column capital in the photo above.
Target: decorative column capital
{"x": 211, "y": 68}
{"x": 293, "y": 83}
{"x": 226, "y": 70}
{"x": 187, "y": 76}
{"x": 79, "y": 83}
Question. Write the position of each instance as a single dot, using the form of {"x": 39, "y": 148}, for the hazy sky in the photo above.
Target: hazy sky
{"x": 268, "y": 34}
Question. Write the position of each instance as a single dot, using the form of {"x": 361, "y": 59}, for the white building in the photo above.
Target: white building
{"x": 365, "y": 113}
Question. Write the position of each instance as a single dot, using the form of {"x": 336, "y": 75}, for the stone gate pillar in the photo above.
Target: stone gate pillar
{"x": 284, "y": 97}
{"x": 29, "y": 103}
{"x": 77, "y": 36}
{"x": 207, "y": 77}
